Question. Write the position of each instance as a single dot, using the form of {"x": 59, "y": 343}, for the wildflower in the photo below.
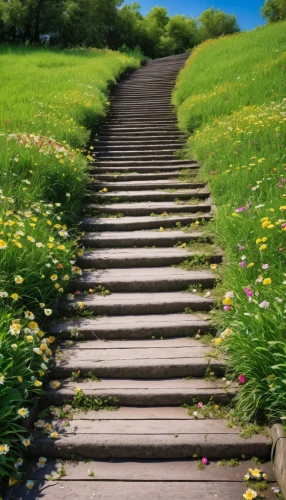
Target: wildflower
{"x": 54, "y": 435}
{"x": 267, "y": 281}
{"x": 54, "y": 277}
{"x": 42, "y": 462}
{"x": 80, "y": 305}
{"x": 265, "y": 266}
{"x": 26, "y": 442}
{"x": 251, "y": 264}
{"x": 249, "y": 494}
{"x": 195, "y": 414}
{"x": 54, "y": 384}
{"x": 3, "y": 245}
{"x": 205, "y": 461}
{"x": 12, "y": 481}
{"x": 264, "y": 304}
{"x": 218, "y": 341}
{"x": 18, "y": 463}
{"x": 51, "y": 339}
{"x": 248, "y": 292}
{"x": 29, "y": 315}
{"x": 3, "y": 295}
{"x": 61, "y": 247}
{"x": 2, "y": 378}
{"x": 14, "y": 296}
{"x": 15, "y": 329}
{"x": 40, "y": 423}
{"x": 200, "y": 405}
{"x": 227, "y": 301}
{"x": 262, "y": 247}
{"x": 18, "y": 279}
{"x": 241, "y": 379}
{"x": 48, "y": 426}
{"x": 259, "y": 279}
{"x": 4, "y": 448}
{"x": 213, "y": 266}
{"x": 14, "y": 346}
{"x": 20, "y": 379}
{"x": 30, "y": 338}
{"x": 23, "y": 412}
{"x": 47, "y": 312}
{"x": 38, "y": 383}
{"x": 30, "y": 484}
{"x": 226, "y": 308}
{"x": 242, "y": 263}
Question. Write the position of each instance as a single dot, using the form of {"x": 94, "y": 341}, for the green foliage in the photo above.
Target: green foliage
{"x": 43, "y": 178}
{"x": 239, "y": 139}
{"x": 108, "y": 23}
{"x": 83, "y": 402}
{"x": 274, "y": 10}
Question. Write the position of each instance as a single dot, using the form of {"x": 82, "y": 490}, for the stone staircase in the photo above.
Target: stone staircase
{"x": 137, "y": 344}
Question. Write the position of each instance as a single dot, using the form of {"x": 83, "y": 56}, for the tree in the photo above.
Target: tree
{"x": 274, "y": 10}
{"x": 215, "y": 23}
{"x": 183, "y": 32}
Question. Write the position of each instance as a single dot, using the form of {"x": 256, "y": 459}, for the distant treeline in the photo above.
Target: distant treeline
{"x": 108, "y": 23}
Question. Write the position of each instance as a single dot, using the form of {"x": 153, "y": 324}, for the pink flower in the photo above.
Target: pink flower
{"x": 77, "y": 292}
{"x": 240, "y": 247}
{"x": 264, "y": 304}
{"x": 241, "y": 379}
{"x": 240, "y": 209}
{"x": 200, "y": 405}
{"x": 281, "y": 249}
{"x": 205, "y": 461}
{"x": 248, "y": 292}
{"x": 226, "y": 308}
{"x": 265, "y": 266}
{"x": 242, "y": 263}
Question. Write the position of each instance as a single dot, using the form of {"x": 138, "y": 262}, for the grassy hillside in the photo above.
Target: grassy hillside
{"x": 49, "y": 100}
{"x": 231, "y": 94}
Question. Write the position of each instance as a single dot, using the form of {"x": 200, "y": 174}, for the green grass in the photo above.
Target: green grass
{"x": 50, "y": 100}
{"x": 231, "y": 95}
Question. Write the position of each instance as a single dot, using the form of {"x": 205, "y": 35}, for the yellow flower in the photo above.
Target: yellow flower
{"x": 50, "y": 245}
{"x": 54, "y": 277}
{"x": 17, "y": 243}
{"x": 43, "y": 347}
{"x": 258, "y": 241}
{"x": 265, "y": 223}
{"x": 235, "y": 214}
{"x": 213, "y": 266}
{"x": 4, "y": 448}
{"x": 30, "y": 338}
{"x": 12, "y": 481}
{"x": 227, "y": 301}
{"x": 250, "y": 494}
{"x": 264, "y": 239}
{"x": 256, "y": 473}
{"x": 161, "y": 229}
{"x": 54, "y": 384}
{"x": 14, "y": 296}
{"x": 47, "y": 312}
{"x": 18, "y": 279}
{"x": 54, "y": 435}
{"x": 283, "y": 207}
{"x": 40, "y": 333}
{"x": 51, "y": 339}
{"x": 270, "y": 226}
{"x": 89, "y": 157}
{"x": 41, "y": 373}
{"x": 80, "y": 305}
{"x": 23, "y": 412}
{"x": 38, "y": 383}
{"x": 33, "y": 325}
{"x": 218, "y": 341}
{"x": 26, "y": 442}
{"x": 48, "y": 427}
{"x": 19, "y": 378}
{"x": 267, "y": 281}
{"x": 61, "y": 247}
{"x": 251, "y": 264}
{"x": 262, "y": 247}
{"x": 30, "y": 484}
{"x": 3, "y": 245}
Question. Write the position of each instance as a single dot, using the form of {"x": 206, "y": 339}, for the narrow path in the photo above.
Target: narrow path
{"x": 138, "y": 340}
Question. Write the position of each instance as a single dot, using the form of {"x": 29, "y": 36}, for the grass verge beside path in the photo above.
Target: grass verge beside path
{"x": 231, "y": 94}
{"x": 49, "y": 102}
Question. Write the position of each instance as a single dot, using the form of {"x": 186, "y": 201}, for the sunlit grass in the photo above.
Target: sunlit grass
{"x": 232, "y": 94}
{"x": 49, "y": 102}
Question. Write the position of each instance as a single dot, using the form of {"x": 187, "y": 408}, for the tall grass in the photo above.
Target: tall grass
{"x": 49, "y": 102}
{"x": 231, "y": 95}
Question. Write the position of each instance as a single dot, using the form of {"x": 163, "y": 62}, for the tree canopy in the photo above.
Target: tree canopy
{"x": 274, "y": 10}
{"x": 109, "y": 23}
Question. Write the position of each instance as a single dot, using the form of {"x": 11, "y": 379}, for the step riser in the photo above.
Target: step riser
{"x": 164, "y": 153}
{"x": 138, "y": 332}
{"x": 144, "y": 399}
{"x": 90, "y": 242}
{"x": 103, "y": 449}
{"x": 146, "y": 169}
{"x": 185, "y": 369}
{"x": 136, "y": 177}
{"x": 143, "y": 186}
{"x": 104, "y": 263}
{"x": 174, "y": 285}
{"x": 129, "y": 309}
{"x": 150, "y": 224}
{"x": 158, "y": 146}
{"x": 143, "y": 134}
{"x": 137, "y": 196}
{"x": 143, "y": 163}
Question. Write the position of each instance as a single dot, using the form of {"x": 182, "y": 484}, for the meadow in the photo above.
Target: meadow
{"x": 230, "y": 99}
{"x": 50, "y": 100}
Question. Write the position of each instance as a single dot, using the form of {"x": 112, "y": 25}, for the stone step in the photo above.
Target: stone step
{"x": 133, "y": 257}
{"x": 138, "y": 363}
{"x": 137, "y": 153}
{"x": 161, "y": 279}
{"x": 143, "y": 163}
{"x": 139, "y": 303}
{"x": 144, "y": 393}
{"x": 144, "y": 169}
{"x": 130, "y": 141}
{"x": 144, "y": 134}
{"x": 143, "y": 185}
{"x": 140, "y": 177}
{"x": 145, "y": 130}
{"x": 125, "y": 239}
{"x": 133, "y": 148}
{"x": 133, "y": 327}
{"x": 127, "y": 223}
{"x": 150, "y": 195}
{"x": 148, "y": 442}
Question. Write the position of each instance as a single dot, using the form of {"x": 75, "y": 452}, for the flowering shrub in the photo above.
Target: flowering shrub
{"x": 239, "y": 139}
{"x": 43, "y": 177}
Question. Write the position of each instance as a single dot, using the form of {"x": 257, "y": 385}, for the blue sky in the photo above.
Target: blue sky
{"x": 246, "y": 11}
